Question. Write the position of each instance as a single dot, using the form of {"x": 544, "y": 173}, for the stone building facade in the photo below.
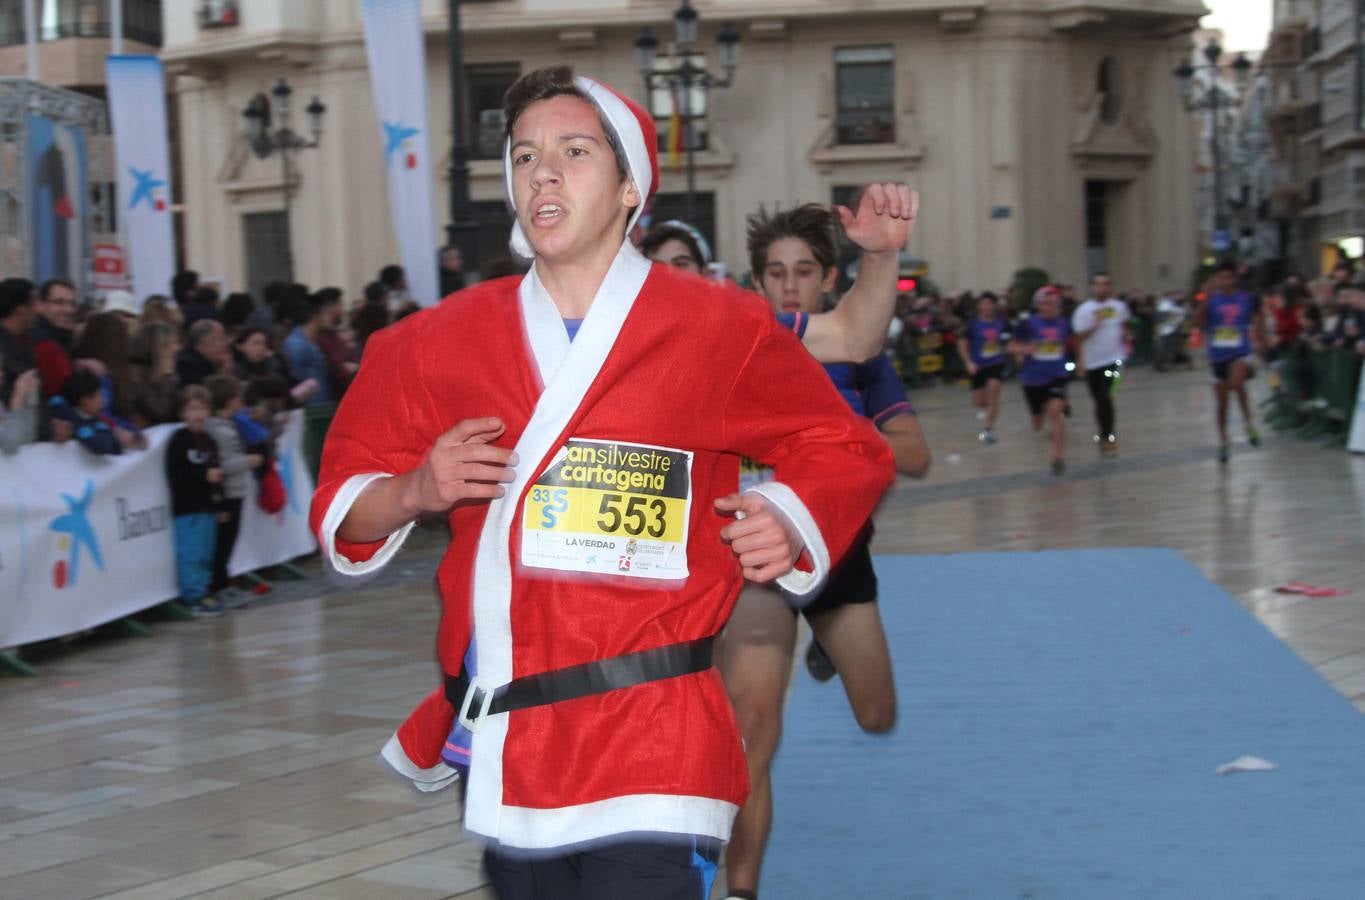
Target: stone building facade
{"x": 1039, "y": 132}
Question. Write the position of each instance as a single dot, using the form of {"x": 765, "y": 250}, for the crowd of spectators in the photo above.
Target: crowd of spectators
{"x": 227, "y": 369}
{"x": 291, "y": 347}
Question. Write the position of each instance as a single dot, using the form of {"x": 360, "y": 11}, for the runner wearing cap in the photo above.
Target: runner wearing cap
{"x": 586, "y": 453}
{"x": 982, "y": 348}
{"x": 1234, "y": 328}
{"x": 1040, "y": 345}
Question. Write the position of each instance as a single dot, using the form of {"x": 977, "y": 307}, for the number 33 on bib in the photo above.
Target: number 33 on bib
{"x": 610, "y": 508}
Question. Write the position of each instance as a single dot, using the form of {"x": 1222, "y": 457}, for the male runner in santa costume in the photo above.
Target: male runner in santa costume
{"x": 582, "y": 427}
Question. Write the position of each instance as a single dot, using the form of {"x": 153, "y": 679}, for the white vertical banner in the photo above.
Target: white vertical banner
{"x": 1356, "y": 441}
{"x": 397, "y": 57}
{"x": 137, "y": 112}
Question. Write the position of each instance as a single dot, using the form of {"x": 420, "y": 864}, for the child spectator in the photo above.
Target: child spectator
{"x": 82, "y": 404}
{"x": 194, "y": 475}
{"x": 225, "y": 396}
{"x": 263, "y": 416}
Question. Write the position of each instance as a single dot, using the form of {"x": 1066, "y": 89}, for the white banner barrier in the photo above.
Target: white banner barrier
{"x": 87, "y": 539}
{"x": 1356, "y": 442}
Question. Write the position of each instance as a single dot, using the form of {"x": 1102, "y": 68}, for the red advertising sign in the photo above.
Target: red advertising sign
{"x": 110, "y": 272}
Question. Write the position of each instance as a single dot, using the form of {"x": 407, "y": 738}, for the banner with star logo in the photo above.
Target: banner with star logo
{"x": 137, "y": 114}
{"x": 397, "y": 58}
{"x": 87, "y": 539}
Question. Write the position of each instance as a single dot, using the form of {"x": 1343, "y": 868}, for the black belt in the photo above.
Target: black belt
{"x": 473, "y": 701}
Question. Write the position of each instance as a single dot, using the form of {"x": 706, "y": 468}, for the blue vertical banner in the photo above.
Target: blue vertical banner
{"x": 397, "y": 58}
{"x": 57, "y": 199}
{"x": 137, "y": 112}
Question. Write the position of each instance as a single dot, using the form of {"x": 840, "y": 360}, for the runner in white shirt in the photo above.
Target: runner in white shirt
{"x": 1100, "y": 325}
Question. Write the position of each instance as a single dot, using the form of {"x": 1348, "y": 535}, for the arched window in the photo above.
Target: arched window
{"x": 1110, "y": 90}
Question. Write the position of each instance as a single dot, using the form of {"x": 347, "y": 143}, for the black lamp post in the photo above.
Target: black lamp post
{"x": 1211, "y": 101}
{"x": 686, "y": 75}
{"x": 284, "y": 141}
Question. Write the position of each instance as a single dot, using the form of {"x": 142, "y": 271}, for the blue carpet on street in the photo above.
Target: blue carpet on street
{"x": 1061, "y": 718}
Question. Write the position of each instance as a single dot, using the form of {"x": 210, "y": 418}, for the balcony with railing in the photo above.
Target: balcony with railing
{"x": 1286, "y": 45}
{"x": 59, "y": 20}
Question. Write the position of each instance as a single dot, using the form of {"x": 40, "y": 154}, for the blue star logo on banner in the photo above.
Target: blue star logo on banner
{"x": 396, "y": 136}
{"x": 76, "y": 523}
{"x": 145, "y": 189}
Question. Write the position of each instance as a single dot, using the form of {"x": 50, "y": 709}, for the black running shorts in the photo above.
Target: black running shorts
{"x": 624, "y": 867}
{"x": 988, "y": 373}
{"x": 852, "y": 581}
{"x": 1037, "y": 395}
{"x": 1221, "y": 370}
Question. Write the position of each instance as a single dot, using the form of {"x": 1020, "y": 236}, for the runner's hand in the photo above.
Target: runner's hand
{"x": 765, "y": 543}
{"x": 462, "y": 465}
{"x": 971, "y": 368}
{"x": 884, "y": 219}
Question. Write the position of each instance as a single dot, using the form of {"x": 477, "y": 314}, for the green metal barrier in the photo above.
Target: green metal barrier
{"x": 316, "y": 420}
{"x": 1316, "y": 393}
{"x": 1144, "y": 340}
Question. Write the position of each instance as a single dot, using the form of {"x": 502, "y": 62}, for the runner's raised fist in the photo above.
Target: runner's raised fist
{"x": 762, "y": 539}
{"x": 884, "y": 219}
{"x": 461, "y": 465}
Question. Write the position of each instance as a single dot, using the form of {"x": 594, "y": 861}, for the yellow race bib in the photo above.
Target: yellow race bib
{"x": 1047, "y": 351}
{"x": 1227, "y": 336}
{"x": 611, "y": 508}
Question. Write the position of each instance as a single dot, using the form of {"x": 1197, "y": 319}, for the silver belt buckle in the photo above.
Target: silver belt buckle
{"x": 485, "y": 693}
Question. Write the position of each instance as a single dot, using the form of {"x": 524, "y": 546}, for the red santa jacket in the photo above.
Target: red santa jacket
{"x": 663, "y": 360}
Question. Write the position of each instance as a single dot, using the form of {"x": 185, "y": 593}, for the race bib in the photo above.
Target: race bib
{"x": 1106, "y": 313}
{"x": 1227, "y": 336}
{"x": 990, "y": 348}
{"x": 1048, "y": 351}
{"x": 610, "y": 508}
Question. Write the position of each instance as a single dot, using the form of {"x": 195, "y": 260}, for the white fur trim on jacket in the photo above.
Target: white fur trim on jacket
{"x": 567, "y": 370}
{"x": 425, "y": 780}
{"x": 538, "y": 829}
{"x": 801, "y": 587}
{"x": 336, "y": 514}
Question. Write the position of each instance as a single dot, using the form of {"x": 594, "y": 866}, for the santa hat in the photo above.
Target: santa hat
{"x": 635, "y": 135}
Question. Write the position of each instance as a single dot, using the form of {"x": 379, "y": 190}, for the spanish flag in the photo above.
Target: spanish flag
{"x": 675, "y": 134}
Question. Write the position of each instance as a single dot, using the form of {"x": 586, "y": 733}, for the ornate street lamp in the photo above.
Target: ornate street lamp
{"x": 1212, "y": 101}
{"x": 685, "y": 76}
{"x": 284, "y": 141}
